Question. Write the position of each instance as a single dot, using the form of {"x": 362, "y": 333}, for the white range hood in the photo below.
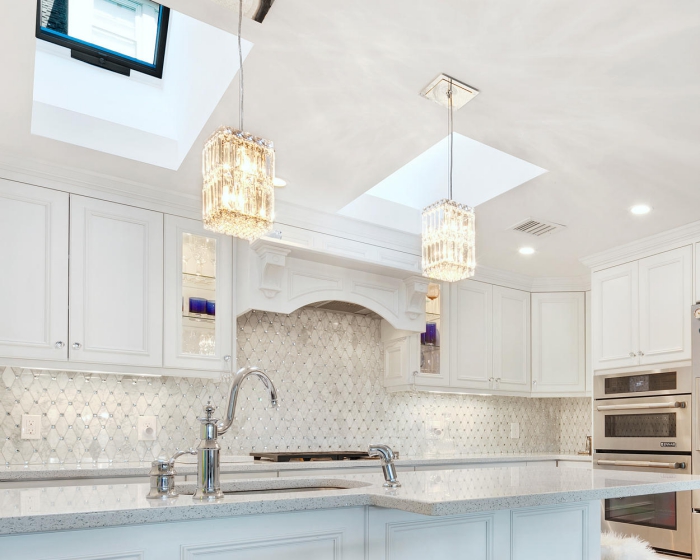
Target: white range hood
{"x": 297, "y": 267}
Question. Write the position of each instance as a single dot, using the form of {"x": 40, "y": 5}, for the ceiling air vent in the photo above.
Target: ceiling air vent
{"x": 538, "y": 228}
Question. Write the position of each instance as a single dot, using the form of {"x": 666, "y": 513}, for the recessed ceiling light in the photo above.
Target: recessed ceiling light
{"x": 526, "y": 250}
{"x": 279, "y": 182}
{"x": 640, "y": 209}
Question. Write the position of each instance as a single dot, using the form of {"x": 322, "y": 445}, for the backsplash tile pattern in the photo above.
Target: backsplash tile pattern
{"x": 327, "y": 368}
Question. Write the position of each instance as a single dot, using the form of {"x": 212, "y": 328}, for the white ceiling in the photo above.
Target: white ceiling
{"x": 603, "y": 95}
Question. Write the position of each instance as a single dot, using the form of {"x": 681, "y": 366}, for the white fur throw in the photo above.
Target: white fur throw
{"x": 619, "y": 547}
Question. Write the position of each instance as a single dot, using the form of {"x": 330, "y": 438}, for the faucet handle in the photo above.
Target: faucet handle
{"x": 178, "y": 454}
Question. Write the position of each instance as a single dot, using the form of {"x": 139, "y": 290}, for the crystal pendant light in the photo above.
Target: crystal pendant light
{"x": 238, "y": 169}
{"x": 448, "y": 239}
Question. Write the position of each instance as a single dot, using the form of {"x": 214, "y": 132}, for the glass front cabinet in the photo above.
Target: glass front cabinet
{"x": 199, "y": 310}
{"x": 419, "y": 360}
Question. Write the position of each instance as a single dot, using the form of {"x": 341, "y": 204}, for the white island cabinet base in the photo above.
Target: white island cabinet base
{"x": 565, "y": 532}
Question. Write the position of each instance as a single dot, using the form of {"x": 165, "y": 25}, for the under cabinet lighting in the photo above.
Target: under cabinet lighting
{"x": 526, "y": 250}
{"x": 279, "y": 182}
{"x": 460, "y": 393}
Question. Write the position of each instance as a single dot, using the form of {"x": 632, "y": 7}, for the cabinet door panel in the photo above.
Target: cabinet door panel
{"x": 472, "y": 338}
{"x": 559, "y": 343}
{"x": 665, "y": 297}
{"x": 34, "y": 282}
{"x": 198, "y": 264}
{"x": 615, "y": 316}
{"x": 116, "y": 286}
{"x": 511, "y": 340}
{"x": 697, "y": 272}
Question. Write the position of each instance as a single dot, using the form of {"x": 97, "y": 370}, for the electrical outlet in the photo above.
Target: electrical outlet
{"x": 147, "y": 428}
{"x": 29, "y": 501}
{"x": 514, "y": 430}
{"x": 31, "y": 426}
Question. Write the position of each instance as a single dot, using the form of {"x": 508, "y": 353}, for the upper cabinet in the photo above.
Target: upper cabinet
{"x": 116, "y": 284}
{"x": 558, "y": 343}
{"x": 641, "y": 311}
{"x": 615, "y": 316}
{"x": 198, "y": 330}
{"x": 34, "y": 281}
{"x": 665, "y": 298}
{"x": 472, "y": 335}
{"x": 511, "y": 340}
{"x": 697, "y": 272}
{"x": 493, "y": 345}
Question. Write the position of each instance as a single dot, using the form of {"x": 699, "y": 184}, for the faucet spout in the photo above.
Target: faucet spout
{"x": 238, "y": 378}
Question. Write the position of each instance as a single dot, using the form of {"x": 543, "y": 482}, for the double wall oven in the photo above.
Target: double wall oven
{"x": 643, "y": 422}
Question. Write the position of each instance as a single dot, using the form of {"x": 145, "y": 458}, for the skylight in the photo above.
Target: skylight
{"x": 480, "y": 174}
{"x": 118, "y": 35}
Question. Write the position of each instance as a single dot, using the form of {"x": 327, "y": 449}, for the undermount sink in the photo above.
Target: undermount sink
{"x": 277, "y": 486}
{"x": 189, "y": 491}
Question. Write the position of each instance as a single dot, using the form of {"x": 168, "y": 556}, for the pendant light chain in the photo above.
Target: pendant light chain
{"x": 450, "y": 132}
{"x": 240, "y": 67}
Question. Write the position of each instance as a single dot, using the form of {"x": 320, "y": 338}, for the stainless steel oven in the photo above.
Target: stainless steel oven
{"x": 643, "y": 422}
{"x": 644, "y": 412}
{"x": 664, "y": 520}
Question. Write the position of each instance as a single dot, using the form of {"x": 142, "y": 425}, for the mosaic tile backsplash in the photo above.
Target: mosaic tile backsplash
{"x": 327, "y": 368}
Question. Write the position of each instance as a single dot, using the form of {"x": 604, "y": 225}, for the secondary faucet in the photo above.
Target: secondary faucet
{"x": 209, "y": 450}
{"x": 385, "y": 453}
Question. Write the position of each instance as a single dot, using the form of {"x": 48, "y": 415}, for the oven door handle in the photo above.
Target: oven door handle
{"x": 644, "y": 464}
{"x": 639, "y": 406}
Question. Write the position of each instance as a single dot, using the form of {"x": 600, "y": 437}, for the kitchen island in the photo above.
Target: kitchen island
{"x": 500, "y": 513}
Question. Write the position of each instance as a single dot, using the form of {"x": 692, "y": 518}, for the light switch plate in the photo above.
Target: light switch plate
{"x": 514, "y": 430}
{"x": 147, "y": 428}
{"x": 31, "y": 426}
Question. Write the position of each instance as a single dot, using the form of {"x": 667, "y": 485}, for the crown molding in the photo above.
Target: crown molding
{"x": 645, "y": 247}
{"x": 557, "y": 284}
{"x": 77, "y": 181}
{"x": 531, "y": 284}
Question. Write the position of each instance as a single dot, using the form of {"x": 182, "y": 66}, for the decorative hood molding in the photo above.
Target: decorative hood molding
{"x": 281, "y": 277}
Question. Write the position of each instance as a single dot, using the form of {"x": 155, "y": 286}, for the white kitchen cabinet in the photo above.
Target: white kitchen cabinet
{"x": 329, "y": 534}
{"x": 407, "y": 363}
{"x": 401, "y": 359}
{"x": 472, "y": 335}
{"x": 511, "y": 340}
{"x": 641, "y": 311}
{"x": 589, "y": 346}
{"x": 198, "y": 271}
{"x": 34, "y": 281}
{"x": 558, "y": 343}
{"x": 665, "y": 298}
{"x": 697, "y": 273}
{"x": 116, "y": 284}
{"x": 615, "y": 316}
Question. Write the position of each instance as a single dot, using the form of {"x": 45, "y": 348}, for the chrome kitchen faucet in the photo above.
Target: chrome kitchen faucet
{"x": 209, "y": 450}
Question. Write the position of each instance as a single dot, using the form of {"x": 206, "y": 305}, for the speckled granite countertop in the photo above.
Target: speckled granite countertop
{"x": 108, "y": 470}
{"x": 448, "y": 492}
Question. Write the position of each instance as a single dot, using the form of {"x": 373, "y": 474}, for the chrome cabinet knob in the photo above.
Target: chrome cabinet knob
{"x": 60, "y": 344}
{"x": 76, "y": 346}
{"x": 632, "y": 354}
{"x": 640, "y": 353}
{"x": 227, "y": 358}
{"x": 534, "y": 383}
